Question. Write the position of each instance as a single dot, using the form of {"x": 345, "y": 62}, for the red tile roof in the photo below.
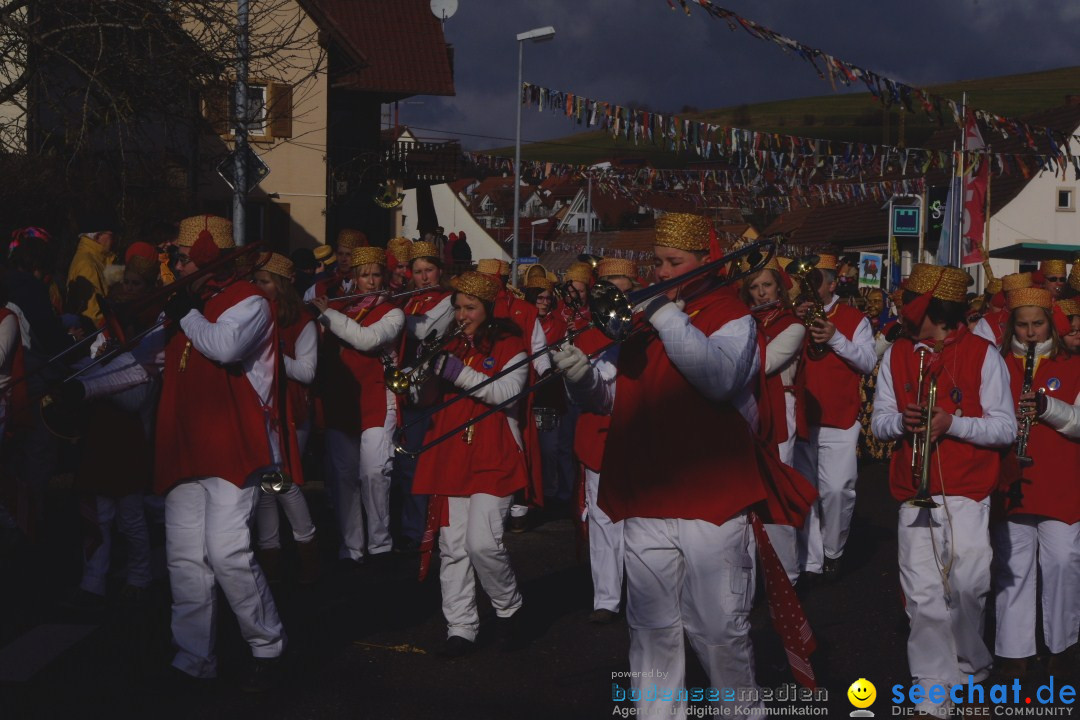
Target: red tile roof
{"x": 398, "y": 44}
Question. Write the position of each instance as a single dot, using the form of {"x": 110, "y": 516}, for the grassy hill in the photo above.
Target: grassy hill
{"x": 857, "y": 117}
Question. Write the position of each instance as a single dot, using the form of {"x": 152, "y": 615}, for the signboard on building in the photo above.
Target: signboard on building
{"x": 906, "y": 220}
{"x": 870, "y": 269}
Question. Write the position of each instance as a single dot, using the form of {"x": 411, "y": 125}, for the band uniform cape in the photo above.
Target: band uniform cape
{"x": 354, "y": 386}
{"x": 524, "y": 315}
{"x": 829, "y": 386}
{"x": 485, "y": 460}
{"x": 967, "y": 469}
{"x": 673, "y": 453}
{"x": 211, "y": 422}
{"x": 1050, "y": 486}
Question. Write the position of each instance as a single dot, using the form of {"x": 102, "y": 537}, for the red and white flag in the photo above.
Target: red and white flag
{"x": 976, "y": 178}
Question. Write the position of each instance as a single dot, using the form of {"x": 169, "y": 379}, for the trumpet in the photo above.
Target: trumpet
{"x": 612, "y": 313}
{"x": 920, "y": 443}
{"x": 399, "y": 381}
{"x": 800, "y": 269}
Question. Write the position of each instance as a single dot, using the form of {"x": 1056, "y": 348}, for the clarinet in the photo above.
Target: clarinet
{"x": 1016, "y": 492}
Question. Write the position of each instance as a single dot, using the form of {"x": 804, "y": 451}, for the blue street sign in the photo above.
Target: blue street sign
{"x": 906, "y": 220}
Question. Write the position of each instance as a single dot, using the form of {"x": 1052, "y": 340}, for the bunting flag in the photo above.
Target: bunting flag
{"x": 888, "y": 91}
{"x": 789, "y": 157}
{"x": 975, "y": 182}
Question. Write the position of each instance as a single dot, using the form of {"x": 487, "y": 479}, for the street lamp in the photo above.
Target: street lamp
{"x": 535, "y": 35}
{"x": 532, "y": 243}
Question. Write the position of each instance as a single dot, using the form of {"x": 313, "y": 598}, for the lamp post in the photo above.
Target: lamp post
{"x": 535, "y": 35}
{"x": 532, "y": 242}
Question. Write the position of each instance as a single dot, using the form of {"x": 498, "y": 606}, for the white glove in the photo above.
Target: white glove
{"x": 649, "y": 307}
{"x": 572, "y": 363}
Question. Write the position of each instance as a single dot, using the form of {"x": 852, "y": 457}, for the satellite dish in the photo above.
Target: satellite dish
{"x": 444, "y": 9}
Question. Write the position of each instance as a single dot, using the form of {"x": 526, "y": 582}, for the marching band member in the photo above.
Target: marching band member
{"x": 397, "y": 262}
{"x": 1071, "y": 308}
{"x": 784, "y": 336}
{"x": 1045, "y": 523}
{"x": 944, "y": 552}
{"x": 339, "y": 280}
{"x": 299, "y": 347}
{"x": 217, "y": 397}
{"x": 426, "y": 315}
{"x": 478, "y": 472}
{"x": 361, "y": 455}
{"x": 578, "y": 278}
{"x": 606, "y": 547}
{"x": 680, "y": 469}
{"x": 825, "y": 452}
{"x": 1054, "y": 275}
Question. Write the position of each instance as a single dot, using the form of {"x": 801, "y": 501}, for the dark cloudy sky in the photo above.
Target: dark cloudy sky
{"x": 640, "y": 51}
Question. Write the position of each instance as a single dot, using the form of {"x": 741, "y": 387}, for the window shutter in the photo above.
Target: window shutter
{"x": 280, "y": 106}
{"x": 216, "y": 102}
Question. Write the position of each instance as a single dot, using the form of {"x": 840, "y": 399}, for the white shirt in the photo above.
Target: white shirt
{"x": 381, "y": 334}
{"x": 858, "y": 352}
{"x": 503, "y": 389}
{"x": 242, "y": 334}
{"x": 721, "y": 366}
{"x": 783, "y": 351}
{"x": 996, "y": 427}
{"x": 301, "y": 368}
{"x": 437, "y": 318}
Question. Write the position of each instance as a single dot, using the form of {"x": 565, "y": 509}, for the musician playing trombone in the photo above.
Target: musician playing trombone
{"x": 679, "y": 469}
{"x": 944, "y": 544}
{"x": 1043, "y": 521}
{"x": 359, "y": 447}
{"x": 472, "y": 477}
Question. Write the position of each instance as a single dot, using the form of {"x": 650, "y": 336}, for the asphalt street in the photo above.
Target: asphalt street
{"x": 362, "y": 641}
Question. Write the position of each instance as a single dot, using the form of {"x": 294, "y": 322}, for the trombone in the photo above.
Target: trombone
{"x": 386, "y": 291}
{"x": 611, "y": 313}
{"x": 399, "y": 381}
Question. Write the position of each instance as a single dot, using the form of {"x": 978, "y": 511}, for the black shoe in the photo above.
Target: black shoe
{"x": 262, "y": 675}
{"x": 177, "y": 681}
{"x": 519, "y": 524}
{"x": 456, "y": 646}
{"x": 511, "y": 632}
{"x": 830, "y": 570}
{"x": 83, "y": 600}
{"x": 603, "y": 617}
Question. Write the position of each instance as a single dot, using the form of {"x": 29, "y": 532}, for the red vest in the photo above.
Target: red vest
{"x": 831, "y": 385}
{"x": 1050, "y": 485}
{"x": 418, "y": 305}
{"x": 210, "y": 422}
{"x": 491, "y": 462}
{"x": 354, "y": 391}
{"x": 299, "y": 393}
{"x": 591, "y": 431}
{"x": 772, "y": 405}
{"x": 671, "y": 452}
{"x": 969, "y": 470}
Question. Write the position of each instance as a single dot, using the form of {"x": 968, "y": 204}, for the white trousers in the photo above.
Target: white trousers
{"x": 473, "y": 541}
{"x": 296, "y": 510}
{"x": 1017, "y": 544}
{"x": 208, "y": 542}
{"x": 692, "y": 577}
{"x": 605, "y": 549}
{"x": 127, "y": 512}
{"x": 361, "y": 469}
{"x": 828, "y": 461}
{"x": 944, "y": 556}
{"x": 785, "y": 538}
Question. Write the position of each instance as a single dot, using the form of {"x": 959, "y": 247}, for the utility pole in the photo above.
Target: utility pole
{"x": 240, "y": 127}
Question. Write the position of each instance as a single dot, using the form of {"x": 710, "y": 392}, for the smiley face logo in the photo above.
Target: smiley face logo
{"x": 862, "y": 694}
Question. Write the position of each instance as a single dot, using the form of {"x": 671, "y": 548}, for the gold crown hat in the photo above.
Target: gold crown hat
{"x": 683, "y": 231}
{"x": 1069, "y": 307}
{"x": 943, "y": 282}
{"x": 1030, "y": 297}
{"x": 478, "y": 284}
{"x": 1074, "y": 276}
{"x": 278, "y": 264}
{"x": 579, "y": 272}
{"x": 1054, "y": 268}
{"x": 826, "y": 262}
{"x": 350, "y": 239}
{"x": 535, "y": 270}
{"x": 422, "y": 249}
{"x": 1016, "y": 281}
{"x": 367, "y": 256}
{"x": 399, "y": 248}
{"x": 539, "y": 281}
{"x": 616, "y": 266}
{"x": 489, "y": 266}
{"x": 219, "y": 228}
{"x": 325, "y": 254}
